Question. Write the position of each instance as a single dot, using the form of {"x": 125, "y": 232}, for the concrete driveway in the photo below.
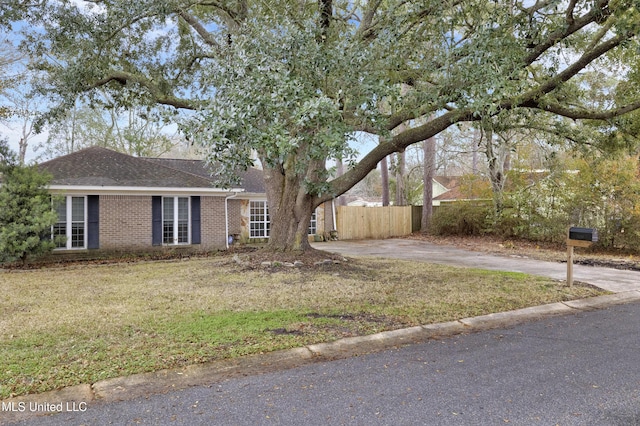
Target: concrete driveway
{"x": 614, "y": 280}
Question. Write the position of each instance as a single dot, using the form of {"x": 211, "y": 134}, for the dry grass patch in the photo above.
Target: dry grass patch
{"x": 81, "y": 324}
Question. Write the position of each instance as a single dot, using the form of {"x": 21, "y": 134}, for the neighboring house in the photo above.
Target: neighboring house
{"x": 364, "y": 202}
{"x": 454, "y": 188}
{"x": 445, "y": 188}
{"x": 115, "y": 202}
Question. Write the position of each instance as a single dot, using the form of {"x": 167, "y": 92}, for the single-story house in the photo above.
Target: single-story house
{"x": 458, "y": 188}
{"x": 116, "y": 202}
{"x": 446, "y": 188}
{"x": 364, "y": 201}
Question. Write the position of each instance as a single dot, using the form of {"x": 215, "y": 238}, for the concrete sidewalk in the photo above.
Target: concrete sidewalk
{"x": 624, "y": 284}
{"x": 614, "y": 280}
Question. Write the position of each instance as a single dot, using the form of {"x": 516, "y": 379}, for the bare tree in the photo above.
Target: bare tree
{"x": 384, "y": 177}
{"x": 401, "y": 173}
{"x": 23, "y": 111}
{"x": 429, "y": 150}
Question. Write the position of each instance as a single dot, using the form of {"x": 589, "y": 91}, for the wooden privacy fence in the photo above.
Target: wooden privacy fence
{"x": 356, "y": 223}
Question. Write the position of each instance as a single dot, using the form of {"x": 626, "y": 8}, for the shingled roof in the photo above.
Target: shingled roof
{"x": 96, "y": 166}
{"x": 251, "y": 180}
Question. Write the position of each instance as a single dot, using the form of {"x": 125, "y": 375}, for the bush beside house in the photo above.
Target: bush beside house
{"x": 26, "y": 216}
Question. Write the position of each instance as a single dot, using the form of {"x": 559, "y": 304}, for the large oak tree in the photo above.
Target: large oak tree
{"x": 294, "y": 80}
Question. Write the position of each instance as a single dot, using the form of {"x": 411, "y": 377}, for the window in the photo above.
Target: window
{"x": 175, "y": 220}
{"x": 259, "y": 221}
{"x": 313, "y": 225}
{"x": 259, "y": 226}
{"x": 69, "y": 232}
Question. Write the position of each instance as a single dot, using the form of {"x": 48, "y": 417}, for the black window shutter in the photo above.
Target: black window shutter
{"x": 93, "y": 221}
{"x": 156, "y": 220}
{"x": 195, "y": 220}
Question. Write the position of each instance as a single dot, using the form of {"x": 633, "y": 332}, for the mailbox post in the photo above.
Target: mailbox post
{"x": 578, "y": 237}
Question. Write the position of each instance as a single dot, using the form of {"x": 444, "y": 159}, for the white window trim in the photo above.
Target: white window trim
{"x": 314, "y": 221}
{"x": 175, "y": 221}
{"x": 267, "y": 223}
{"x": 69, "y": 223}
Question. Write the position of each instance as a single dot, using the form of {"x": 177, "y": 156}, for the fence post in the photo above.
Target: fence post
{"x": 570, "y": 265}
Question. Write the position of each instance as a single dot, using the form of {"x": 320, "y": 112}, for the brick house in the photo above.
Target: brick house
{"x": 110, "y": 201}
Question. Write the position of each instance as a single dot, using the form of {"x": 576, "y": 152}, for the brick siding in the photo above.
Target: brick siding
{"x": 235, "y": 216}
{"x": 125, "y": 222}
{"x": 213, "y": 223}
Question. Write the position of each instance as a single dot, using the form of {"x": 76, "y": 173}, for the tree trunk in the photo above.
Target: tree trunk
{"x": 289, "y": 227}
{"x": 477, "y": 139}
{"x": 339, "y": 172}
{"x": 429, "y": 150}
{"x": 22, "y": 150}
{"x": 384, "y": 181}
{"x": 496, "y": 153}
{"x": 289, "y": 210}
{"x": 27, "y": 132}
{"x": 401, "y": 193}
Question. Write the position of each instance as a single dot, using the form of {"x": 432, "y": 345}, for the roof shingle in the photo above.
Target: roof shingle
{"x": 251, "y": 180}
{"x": 97, "y": 166}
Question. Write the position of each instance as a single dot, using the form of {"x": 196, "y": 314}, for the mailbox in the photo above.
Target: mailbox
{"x": 583, "y": 234}
{"x": 578, "y": 237}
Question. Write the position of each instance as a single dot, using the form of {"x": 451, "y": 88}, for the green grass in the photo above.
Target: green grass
{"x": 81, "y": 324}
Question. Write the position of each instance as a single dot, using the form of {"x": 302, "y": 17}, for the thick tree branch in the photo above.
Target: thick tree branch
{"x": 537, "y": 6}
{"x": 569, "y": 15}
{"x": 573, "y": 27}
{"x": 200, "y": 29}
{"x": 602, "y": 32}
{"x": 572, "y": 70}
{"x": 237, "y": 16}
{"x": 531, "y": 99}
{"x": 324, "y": 21}
{"x": 369, "y": 162}
{"x": 408, "y": 114}
{"x": 367, "y": 19}
{"x": 159, "y": 96}
{"x": 585, "y": 114}
{"x": 366, "y": 29}
{"x": 562, "y": 33}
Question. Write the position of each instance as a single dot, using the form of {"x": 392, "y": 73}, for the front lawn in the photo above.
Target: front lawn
{"x": 84, "y": 323}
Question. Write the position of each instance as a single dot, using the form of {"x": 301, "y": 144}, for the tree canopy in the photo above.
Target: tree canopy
{"x": 294, "y": 80}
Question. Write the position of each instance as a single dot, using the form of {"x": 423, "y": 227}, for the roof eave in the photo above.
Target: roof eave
{"x": 138, "y": 190}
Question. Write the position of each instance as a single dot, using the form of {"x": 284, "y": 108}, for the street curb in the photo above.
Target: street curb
{"x": 125, "y": 388}
{"x": 501, "y": 319}
{"x": 599, "y": 302}
{"x": 159, "y": 382}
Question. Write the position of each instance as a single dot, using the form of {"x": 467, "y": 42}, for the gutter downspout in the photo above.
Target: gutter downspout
{"x": 226, "y": 217}
{"x": 333, "y": 213}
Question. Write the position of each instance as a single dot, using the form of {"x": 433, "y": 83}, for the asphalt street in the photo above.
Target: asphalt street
{"x": 579, "y": 369}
